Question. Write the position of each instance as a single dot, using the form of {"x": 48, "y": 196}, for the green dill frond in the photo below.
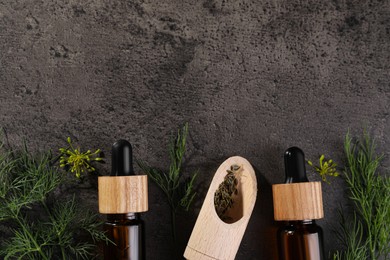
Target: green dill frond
{"x": 90, "y": 223}
{"x": 39, "y": 224}
{"x": 350, "y": 233}
{"x": 178, "y": 191}
{"x": 369, "y": 193}
{"x": 30, "y": 180}
{"x": 189, "y": 193}
{"x": 26, "y": 242}
{"x": 171, "y": 182}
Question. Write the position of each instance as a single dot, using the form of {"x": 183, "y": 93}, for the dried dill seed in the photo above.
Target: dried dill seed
{"x": 223, "y": 197}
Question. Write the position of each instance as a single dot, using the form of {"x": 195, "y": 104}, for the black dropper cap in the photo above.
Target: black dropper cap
{"x": 122, "y": 159}
{"x": 294, "y": 163}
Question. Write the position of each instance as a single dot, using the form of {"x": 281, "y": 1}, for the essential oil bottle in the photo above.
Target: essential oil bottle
{"x": 298, "y": 203}
{"x": 121, "y": 196}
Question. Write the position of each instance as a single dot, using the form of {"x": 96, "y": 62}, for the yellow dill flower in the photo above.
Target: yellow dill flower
{"x": 326, "y": 168}
{"x": 77, "y": 161}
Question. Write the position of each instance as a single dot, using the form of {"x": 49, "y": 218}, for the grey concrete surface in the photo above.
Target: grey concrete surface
{"x": 251, "y": 78}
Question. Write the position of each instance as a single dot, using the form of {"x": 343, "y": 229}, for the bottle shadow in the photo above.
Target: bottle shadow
{"x": 260, "y": 239}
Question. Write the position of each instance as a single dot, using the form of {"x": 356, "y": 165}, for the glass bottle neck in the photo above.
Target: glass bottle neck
{"x": 119, "y": 217}
{"x": 301, "y": 222}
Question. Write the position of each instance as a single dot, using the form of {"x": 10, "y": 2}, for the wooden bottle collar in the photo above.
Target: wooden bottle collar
{"x": 297, "y": 201}
{"x": 123, "y": 194}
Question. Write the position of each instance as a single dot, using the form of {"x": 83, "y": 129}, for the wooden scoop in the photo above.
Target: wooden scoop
{"x": 212, "y": 237}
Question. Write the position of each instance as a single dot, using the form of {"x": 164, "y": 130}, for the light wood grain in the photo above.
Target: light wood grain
{"x": 123, "y": 194}
{"x": 297, "y": 201}
{"x": 213, "y": 238}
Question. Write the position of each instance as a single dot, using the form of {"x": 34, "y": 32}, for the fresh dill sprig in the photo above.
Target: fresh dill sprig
{"x": 39, "y": 224}
{"x": 369, "y": 193}
{"x": 77, "y": 161}
{"x": 350, "y": 233}
{"x": 179, "y": 192}
{"x": 325, "y": 168}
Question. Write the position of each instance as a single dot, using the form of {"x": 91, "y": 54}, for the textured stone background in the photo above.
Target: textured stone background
{"x": 251, "y": 77}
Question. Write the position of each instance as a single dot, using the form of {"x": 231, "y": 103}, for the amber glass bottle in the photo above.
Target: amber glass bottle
{"x": 125, "y": 230}
{"x": 299, "y": 239}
